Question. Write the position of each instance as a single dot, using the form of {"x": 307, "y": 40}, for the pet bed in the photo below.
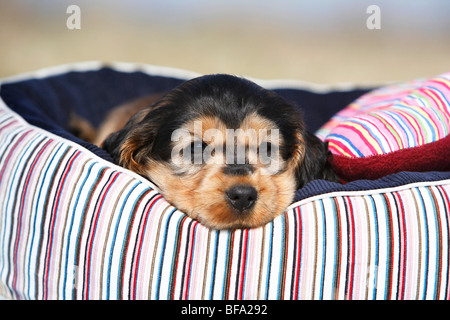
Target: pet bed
{"x": 75, "y": 226}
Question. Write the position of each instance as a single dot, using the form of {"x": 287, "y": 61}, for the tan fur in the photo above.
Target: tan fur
{"x": 201, "y": 195}
{"x": 114, "y": 120}
{"x": 200, "y": 191}
{"x": 118, "y": 117}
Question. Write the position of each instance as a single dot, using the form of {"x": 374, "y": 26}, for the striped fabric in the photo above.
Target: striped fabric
{"x": 391, "y": 118}
{"x": 73, "y": 226}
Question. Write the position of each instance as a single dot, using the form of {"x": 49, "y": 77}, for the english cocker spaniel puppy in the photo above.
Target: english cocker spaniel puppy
{"x": 224, "y": 150}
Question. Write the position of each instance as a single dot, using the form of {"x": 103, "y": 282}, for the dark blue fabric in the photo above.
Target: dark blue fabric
{"x": 318, "y": 108}
{"x": 318, "y": 187}
{"x": 48, "y": 102}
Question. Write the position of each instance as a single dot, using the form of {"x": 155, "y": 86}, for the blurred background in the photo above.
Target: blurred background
{"x": 321, "y": 41}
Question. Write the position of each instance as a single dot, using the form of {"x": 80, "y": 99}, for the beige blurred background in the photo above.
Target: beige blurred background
{"x": 322, "y": 41}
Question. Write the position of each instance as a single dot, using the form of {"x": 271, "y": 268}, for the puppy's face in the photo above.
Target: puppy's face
{"x": 223, "y": 150}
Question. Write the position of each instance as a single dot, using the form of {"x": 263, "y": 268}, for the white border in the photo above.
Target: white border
{"x": 359, "y": 193}
{"x": 181, "y": 74}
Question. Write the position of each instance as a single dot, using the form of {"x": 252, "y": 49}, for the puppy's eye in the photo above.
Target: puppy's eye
{"x": 266, "y": 149}
{"x": 197, "y": 148}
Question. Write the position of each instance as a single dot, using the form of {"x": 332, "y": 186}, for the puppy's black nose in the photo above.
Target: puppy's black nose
{"x": 241, "y": 197}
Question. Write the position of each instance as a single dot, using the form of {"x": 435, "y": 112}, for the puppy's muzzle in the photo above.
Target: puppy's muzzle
{"x": 241, "y": 197}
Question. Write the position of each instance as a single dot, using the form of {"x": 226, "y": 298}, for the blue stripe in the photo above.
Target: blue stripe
{"x": 440, "y": 94}
{"x": 324, "y": 249}
{"x": 377, "y": 249}
{"x": 36, "y": 211}
{"x": 388, "y": 240}
{"x": 17, "y": 189}
{"x": 424, "y": 123}
{"x": 163, "y": 249}
{"x": 405, "y": 128}
{"x": 8, "y": 209}
{"x": 438, "y": 243}
{"x": 347, "y": 141}
{"x": 119, "y": 218}
{"x": 213, "y": 271}
{"x": 144, "y": 228}
{"x": 374, "y": 135}
{"x": 283, "y": 232}
{"x": 301, "y": 249}
{"x": 174, "y": 256}
{"x": 69, "y": 236}
{"x": 246, "y": 264}
{"x": 190, "y": 266}
{"x": 226, "y": 263}
{"x": 445, "y": 235}
{"x": 93, "y": 214}
{"x": 269, "y": 265}
{"x": 27, "y": 257}
{"x": 10, "y": 196}
{"x": 336, "y": 244}
{"x": 115, "y": 237}
{"x": 426, "y": 242}
{"x": 50, "y": 250}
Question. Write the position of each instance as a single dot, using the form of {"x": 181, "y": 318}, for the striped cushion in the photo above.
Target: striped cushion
{"x": 73, "y": 226}
{"x": 391, "y": 119}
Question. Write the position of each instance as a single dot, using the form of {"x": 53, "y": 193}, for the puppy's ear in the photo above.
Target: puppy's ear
{"x": 315, "y": 162}
{"x": 129, "y": 147}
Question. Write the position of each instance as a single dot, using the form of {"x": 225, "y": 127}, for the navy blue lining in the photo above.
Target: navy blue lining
{"x": 318, "y": 187}
{"x": 47, "y": 103}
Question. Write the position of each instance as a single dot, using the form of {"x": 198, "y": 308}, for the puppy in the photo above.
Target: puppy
{"x": 224, "y": 150}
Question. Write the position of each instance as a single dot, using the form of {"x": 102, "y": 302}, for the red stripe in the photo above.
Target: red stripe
{"x": 351, "y": 249}
{"x": 402, "y": 230}
{"x": 53, "y": 221}
{"x": 299, "y": 252}
{"x": 92, "y": 234}
{"x": 343, "y": 148}
{"x": 230, "y": 261}
{"x": 286, "y": 251}
{"x": 175, "y": 265}
{"x": 391, "y": 236}
{"x": 191, "y": 250}
{"x": 11, "y": 152}
{"x": 433, "y": 97}
{"x": 360, "y": 134}
{"x": 142, "y": 232}
{"x": 446, "y": 200}
{"x": 127, "y": 240}
{"x": 439, "y": 242}
{"x": 19, "y": 224}
{"x": 7, "y": 125}
{"x": 242, "y": 266}
{"x": 339, "y": 236}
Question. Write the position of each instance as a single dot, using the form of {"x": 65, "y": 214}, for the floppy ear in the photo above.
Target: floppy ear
{"x": 129, "y": 147}
{"x": 315, "y": 162}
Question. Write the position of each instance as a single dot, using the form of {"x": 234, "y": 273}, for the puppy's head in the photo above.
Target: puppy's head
{"x": 222, "y": 149}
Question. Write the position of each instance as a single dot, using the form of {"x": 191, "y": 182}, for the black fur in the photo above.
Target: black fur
{"x": 231, "y": 99}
